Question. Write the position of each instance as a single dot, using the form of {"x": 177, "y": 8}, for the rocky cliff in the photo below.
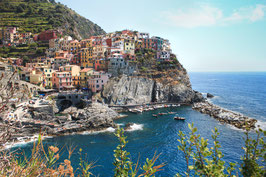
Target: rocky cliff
{"x": 160, "y": 84}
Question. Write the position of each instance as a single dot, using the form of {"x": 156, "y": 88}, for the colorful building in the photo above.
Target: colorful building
{"x": 73, "y": 69}
{"x": 74, "y": 47}
{"x": 46, "y": 35}
{"x": 60, "y": 61}
{"x": 84, "y": 73}
{"x": 86, "y": 43}
{"x": 97, "y": 80}
{"x": 86, "y": 57}
{"x": 62, "y": 80}
{"x": 37, "y": 77}
{"x": 101, "y": 65}
{"x": 48, "y": 72}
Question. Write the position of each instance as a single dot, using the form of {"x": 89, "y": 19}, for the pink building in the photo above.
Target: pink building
{"x": 62, "y": 80}
{"x": 97, "y": 80}
{"x": 19, "y": 62}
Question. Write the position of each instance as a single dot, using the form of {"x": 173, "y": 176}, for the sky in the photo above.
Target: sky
{"x": 206, "y": 35}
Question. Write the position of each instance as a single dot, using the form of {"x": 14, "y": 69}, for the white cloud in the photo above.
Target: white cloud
{"x": 258, "y": 12}
{"x": 206, "y": 15}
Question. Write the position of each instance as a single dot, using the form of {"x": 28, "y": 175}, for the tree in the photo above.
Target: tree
{"x": 204, "y": 161}
{"x": 20, "y": 9}
{"x": 124, "y": 167}
{"x": 39, "y": 51}
{"x": 33, "y": 45}
{"x": 25, "y": 60}
{"x": 30, "y": 11}
{"x": 254, "y": 159}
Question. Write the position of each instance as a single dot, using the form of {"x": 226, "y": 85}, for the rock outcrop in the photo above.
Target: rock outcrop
{"x": 130, "y": 90}
{"x": 209, "y": 95}
{"x": 42, "y": 119}
{"x": 225, "y": 116}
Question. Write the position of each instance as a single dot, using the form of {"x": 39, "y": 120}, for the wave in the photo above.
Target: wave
{"x": 135, "y": 127}
{"x": 23, "y": 141}
{"x": 109, "y": 129}
{"x": 234, "y": 128}
{"x": 261, "y": 124}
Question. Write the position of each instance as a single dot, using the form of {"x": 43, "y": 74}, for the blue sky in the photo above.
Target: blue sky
{"x": 207, "y": 35}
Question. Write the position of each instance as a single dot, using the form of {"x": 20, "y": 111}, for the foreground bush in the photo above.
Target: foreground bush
{"x": 201, "y": 159}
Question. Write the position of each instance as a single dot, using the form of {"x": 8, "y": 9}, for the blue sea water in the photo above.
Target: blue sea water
{"x": 241, "y": 92}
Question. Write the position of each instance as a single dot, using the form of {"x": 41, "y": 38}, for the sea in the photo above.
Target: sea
{"x": 243, "y": 92}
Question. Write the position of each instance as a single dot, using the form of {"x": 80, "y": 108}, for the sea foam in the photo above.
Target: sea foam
{"x": 135, "y": 127}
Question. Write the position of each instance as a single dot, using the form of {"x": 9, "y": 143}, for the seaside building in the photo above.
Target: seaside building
{"x": 48, "y": 72}
{"x": 83, "y": 79}
{"x": 118, "y": 65}
{"x": 62, "y": 80}
{"x": 97, "y": 80}
{"x": 37, "y": 77}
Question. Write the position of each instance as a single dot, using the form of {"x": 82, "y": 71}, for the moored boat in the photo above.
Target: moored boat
{"x": 162, "y": 113}
{"x": 171, "y": 112}
{"x": 179, "y": 118}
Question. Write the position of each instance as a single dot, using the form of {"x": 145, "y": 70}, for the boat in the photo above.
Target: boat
{"x": 155, "y": 115}
{"x": 171, "y": 112}
{"x": 133, "y": 110}
{"x": 179, "y": 118}
{"x": 139, "y": 110}
{"x": 162, "y": 113}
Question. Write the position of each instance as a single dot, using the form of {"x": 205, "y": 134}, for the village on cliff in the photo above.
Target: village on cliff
{"x": 86, "y": 64}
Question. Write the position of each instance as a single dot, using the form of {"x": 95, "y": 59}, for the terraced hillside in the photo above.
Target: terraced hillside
{"x": 39, "y": 15}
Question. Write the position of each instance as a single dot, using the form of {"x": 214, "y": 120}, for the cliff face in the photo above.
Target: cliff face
{"x": 171, "y": 85}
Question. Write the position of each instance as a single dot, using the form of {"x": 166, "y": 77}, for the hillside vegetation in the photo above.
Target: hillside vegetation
{"x": 39, "y": 15}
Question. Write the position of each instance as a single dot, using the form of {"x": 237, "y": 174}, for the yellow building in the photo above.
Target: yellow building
{"x": 98, "y": 51}
{"x": 138, "y": 44}
{"x": 86, "y": 43}
{"x": 48, "y": 72}
{"x": 74, "y": 47}
{"x": 86, "y": 57}
{"x": 84, "y": 77}
{"x": 37, "y": 77}
{"x": 129, "y": 46}
{"x": 75, "y": 81}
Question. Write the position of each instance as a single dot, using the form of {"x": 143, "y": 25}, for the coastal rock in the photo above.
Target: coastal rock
{"x": 209, "y": 95}
{"x": 45, "y": 112}
{"x": 129, "y": 90}
{"x": 225, "y": 116}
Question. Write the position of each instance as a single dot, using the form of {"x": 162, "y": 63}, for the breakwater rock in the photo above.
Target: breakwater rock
{"x": 225, "y": 116}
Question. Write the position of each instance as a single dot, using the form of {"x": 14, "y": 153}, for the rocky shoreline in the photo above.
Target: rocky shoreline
{"x": 95, "y": 117}
{"x": 225, "y": 116}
